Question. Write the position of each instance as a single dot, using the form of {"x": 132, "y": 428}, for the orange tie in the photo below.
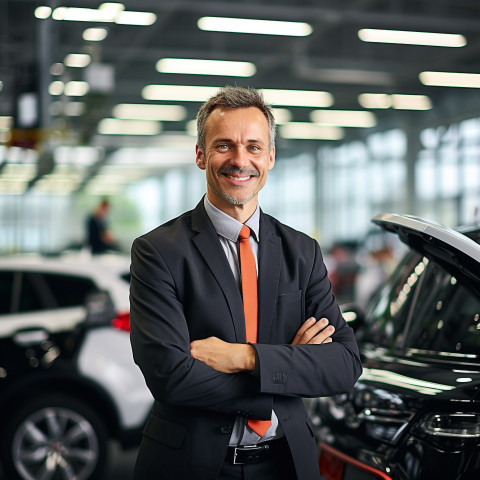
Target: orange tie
{"x": 250, "y": 305}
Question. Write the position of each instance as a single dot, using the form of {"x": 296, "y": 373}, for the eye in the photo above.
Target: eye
{"x": 254, "y": 148}
{"x": 222, "y": 146}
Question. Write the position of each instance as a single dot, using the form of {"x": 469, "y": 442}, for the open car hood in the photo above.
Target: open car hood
{"x": 457, "y": 253}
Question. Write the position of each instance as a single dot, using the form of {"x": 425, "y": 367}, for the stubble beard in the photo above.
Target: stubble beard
{"x": 230, "y": 198}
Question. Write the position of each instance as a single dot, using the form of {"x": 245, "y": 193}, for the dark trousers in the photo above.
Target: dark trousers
{"x": 278, "y": 467}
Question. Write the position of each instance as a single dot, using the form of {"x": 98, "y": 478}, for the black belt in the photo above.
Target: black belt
{"x": 248, "y": 454}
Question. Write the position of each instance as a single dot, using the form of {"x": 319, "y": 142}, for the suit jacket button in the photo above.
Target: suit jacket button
{"x": 225, "y": 429}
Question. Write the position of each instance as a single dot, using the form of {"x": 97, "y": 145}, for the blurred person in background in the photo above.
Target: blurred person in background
{"x": 228, "y": 405}
{"x": 99, "y": 237}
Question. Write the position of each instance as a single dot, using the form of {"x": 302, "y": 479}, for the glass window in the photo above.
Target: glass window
{"x": 31, "y": 298}
{"x": 6, "y": 291}
{"x": 69, "y": 291}
{"x": 388, "y": 311}
{"x": 446, "y": 317}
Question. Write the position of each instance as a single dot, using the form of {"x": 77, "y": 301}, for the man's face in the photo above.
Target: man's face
{"x": 236, "y": 158}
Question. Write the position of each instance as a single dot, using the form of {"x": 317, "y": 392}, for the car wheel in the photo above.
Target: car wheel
{"x": 54, "y": 437}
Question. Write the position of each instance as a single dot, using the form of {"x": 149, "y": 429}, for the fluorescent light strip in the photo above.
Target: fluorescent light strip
{"x": 375, "y": 100}
{"x": 6, "y": 122}
{"x": 254, "y": 26}
{"x": 112, "y": 15}
{"x": 309, "y": 131}
{"x": 191, "y": 93}
{"x": 181, "y": 93}
{"x": 450, "y": 79}
{"x": 282, "y": 115}
{"x": 134, "y": 111}
{"x": 95, "y": 34}
{"x": 396, "y": 101}
{"x": 77, "y": 60}
{"x": 344, "y": 118}
{"x": 76, "y": 88}
{"x": 114, "y": 126}
{"x": 411, "y": 102}
{"x": 206, "y": 67}
{"x": 412, "y": 38}
{"x": 42, "y": 12}
{"x": 298, "y": 98}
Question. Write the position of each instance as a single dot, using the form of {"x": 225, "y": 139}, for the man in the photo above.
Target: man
{"x": 100, "y": 238}
{"x": 188, "y": 327}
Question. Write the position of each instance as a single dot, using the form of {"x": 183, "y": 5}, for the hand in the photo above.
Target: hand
{"x": 222, "y": 356}
{"x": 314, "y": 333}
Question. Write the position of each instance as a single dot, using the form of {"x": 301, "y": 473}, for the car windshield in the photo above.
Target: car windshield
{"x": 421, "y": 306}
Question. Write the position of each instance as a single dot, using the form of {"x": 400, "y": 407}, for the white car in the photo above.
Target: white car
{"x": 68, "y": 382}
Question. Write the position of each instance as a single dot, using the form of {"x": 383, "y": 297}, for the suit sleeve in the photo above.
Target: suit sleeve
{"x": 161, "y": 346}
{"x": 313, "y": 370}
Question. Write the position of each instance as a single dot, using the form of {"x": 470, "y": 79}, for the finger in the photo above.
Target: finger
{"x": 312, "y": 331}
{"x": 305, "y": 326}
{"x": 323, "y": 336}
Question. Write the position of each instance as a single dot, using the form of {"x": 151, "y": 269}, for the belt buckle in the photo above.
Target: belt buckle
{"x": 243, "y": 448}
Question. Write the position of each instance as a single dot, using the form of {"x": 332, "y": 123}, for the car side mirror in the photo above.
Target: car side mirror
{"x": 99, "y": 309}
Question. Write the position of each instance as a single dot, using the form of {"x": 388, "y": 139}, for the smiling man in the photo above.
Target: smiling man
{"x": 233, "y": 319}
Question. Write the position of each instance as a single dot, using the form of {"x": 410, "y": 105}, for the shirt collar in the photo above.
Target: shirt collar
{"x": 227, "y": 226}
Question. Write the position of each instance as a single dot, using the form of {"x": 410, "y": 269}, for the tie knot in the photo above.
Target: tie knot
{"x": 244, "y": 233}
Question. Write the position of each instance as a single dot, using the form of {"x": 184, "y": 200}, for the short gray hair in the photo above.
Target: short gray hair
{"x": 234, "y": 97}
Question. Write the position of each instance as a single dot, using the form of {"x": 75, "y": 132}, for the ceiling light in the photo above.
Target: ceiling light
{"x": 6, "y": 122}
{"x": 136, "y": 18}
{"x": 95, "y": 34}
{"x": 110, "y": 12}
{"x": 56, "y": 88}
{"x": 184, "y": 93}
{"x": 450, "y": 79}
{"x": 310, "y": 131}
{"x": 412, "y": 38}
{"x": 42, "y": 12}
{"x": 133, "y": 111}
{"x": 261, "y": 27}
{"x": 344, "y": 118}
{"x": 206, "y": 67}
{"x": 77, "y": 60}
{"x": 114, "y": 126}
{"x": 76, "y": 88}
{"x": 78, "y": 14}
{"x": 396, "y": 100}
{"x": 111, "y": 9}
{"x": 411, "y": 102}
{"x": 282, "y": 115}
{"x": 298, "y": 98}
{"x": 181, "y": 93}
{"x": 375, "y": 100}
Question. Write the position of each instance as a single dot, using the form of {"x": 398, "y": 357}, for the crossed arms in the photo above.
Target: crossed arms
{"x": 238, "y": 357}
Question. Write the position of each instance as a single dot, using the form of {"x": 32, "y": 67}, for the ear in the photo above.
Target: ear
{"x": 199, "y": 158}
{"x": 271, "y": 159}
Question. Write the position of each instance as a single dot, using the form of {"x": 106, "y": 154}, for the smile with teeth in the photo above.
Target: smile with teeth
{"x": 241, "y": 179}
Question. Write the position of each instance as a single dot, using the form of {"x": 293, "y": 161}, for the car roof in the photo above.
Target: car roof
{"x": 75, "y": 262}
{"x": 450, "y": 248}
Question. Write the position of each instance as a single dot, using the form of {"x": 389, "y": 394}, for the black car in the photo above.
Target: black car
{"x": 414, "y": 414}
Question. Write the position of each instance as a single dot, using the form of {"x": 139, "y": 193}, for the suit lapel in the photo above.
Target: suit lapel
{"x": 210, "y": 248}
{"x": 268, "y": 277}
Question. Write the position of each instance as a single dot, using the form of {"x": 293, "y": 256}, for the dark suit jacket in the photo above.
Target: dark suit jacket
{"x": 182, "y": 289}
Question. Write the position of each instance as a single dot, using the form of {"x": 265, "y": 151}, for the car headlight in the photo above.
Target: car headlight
{"x": 459, "y": 425}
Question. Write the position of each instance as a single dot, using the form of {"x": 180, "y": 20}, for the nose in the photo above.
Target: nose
{"x": 239, "y": 158}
